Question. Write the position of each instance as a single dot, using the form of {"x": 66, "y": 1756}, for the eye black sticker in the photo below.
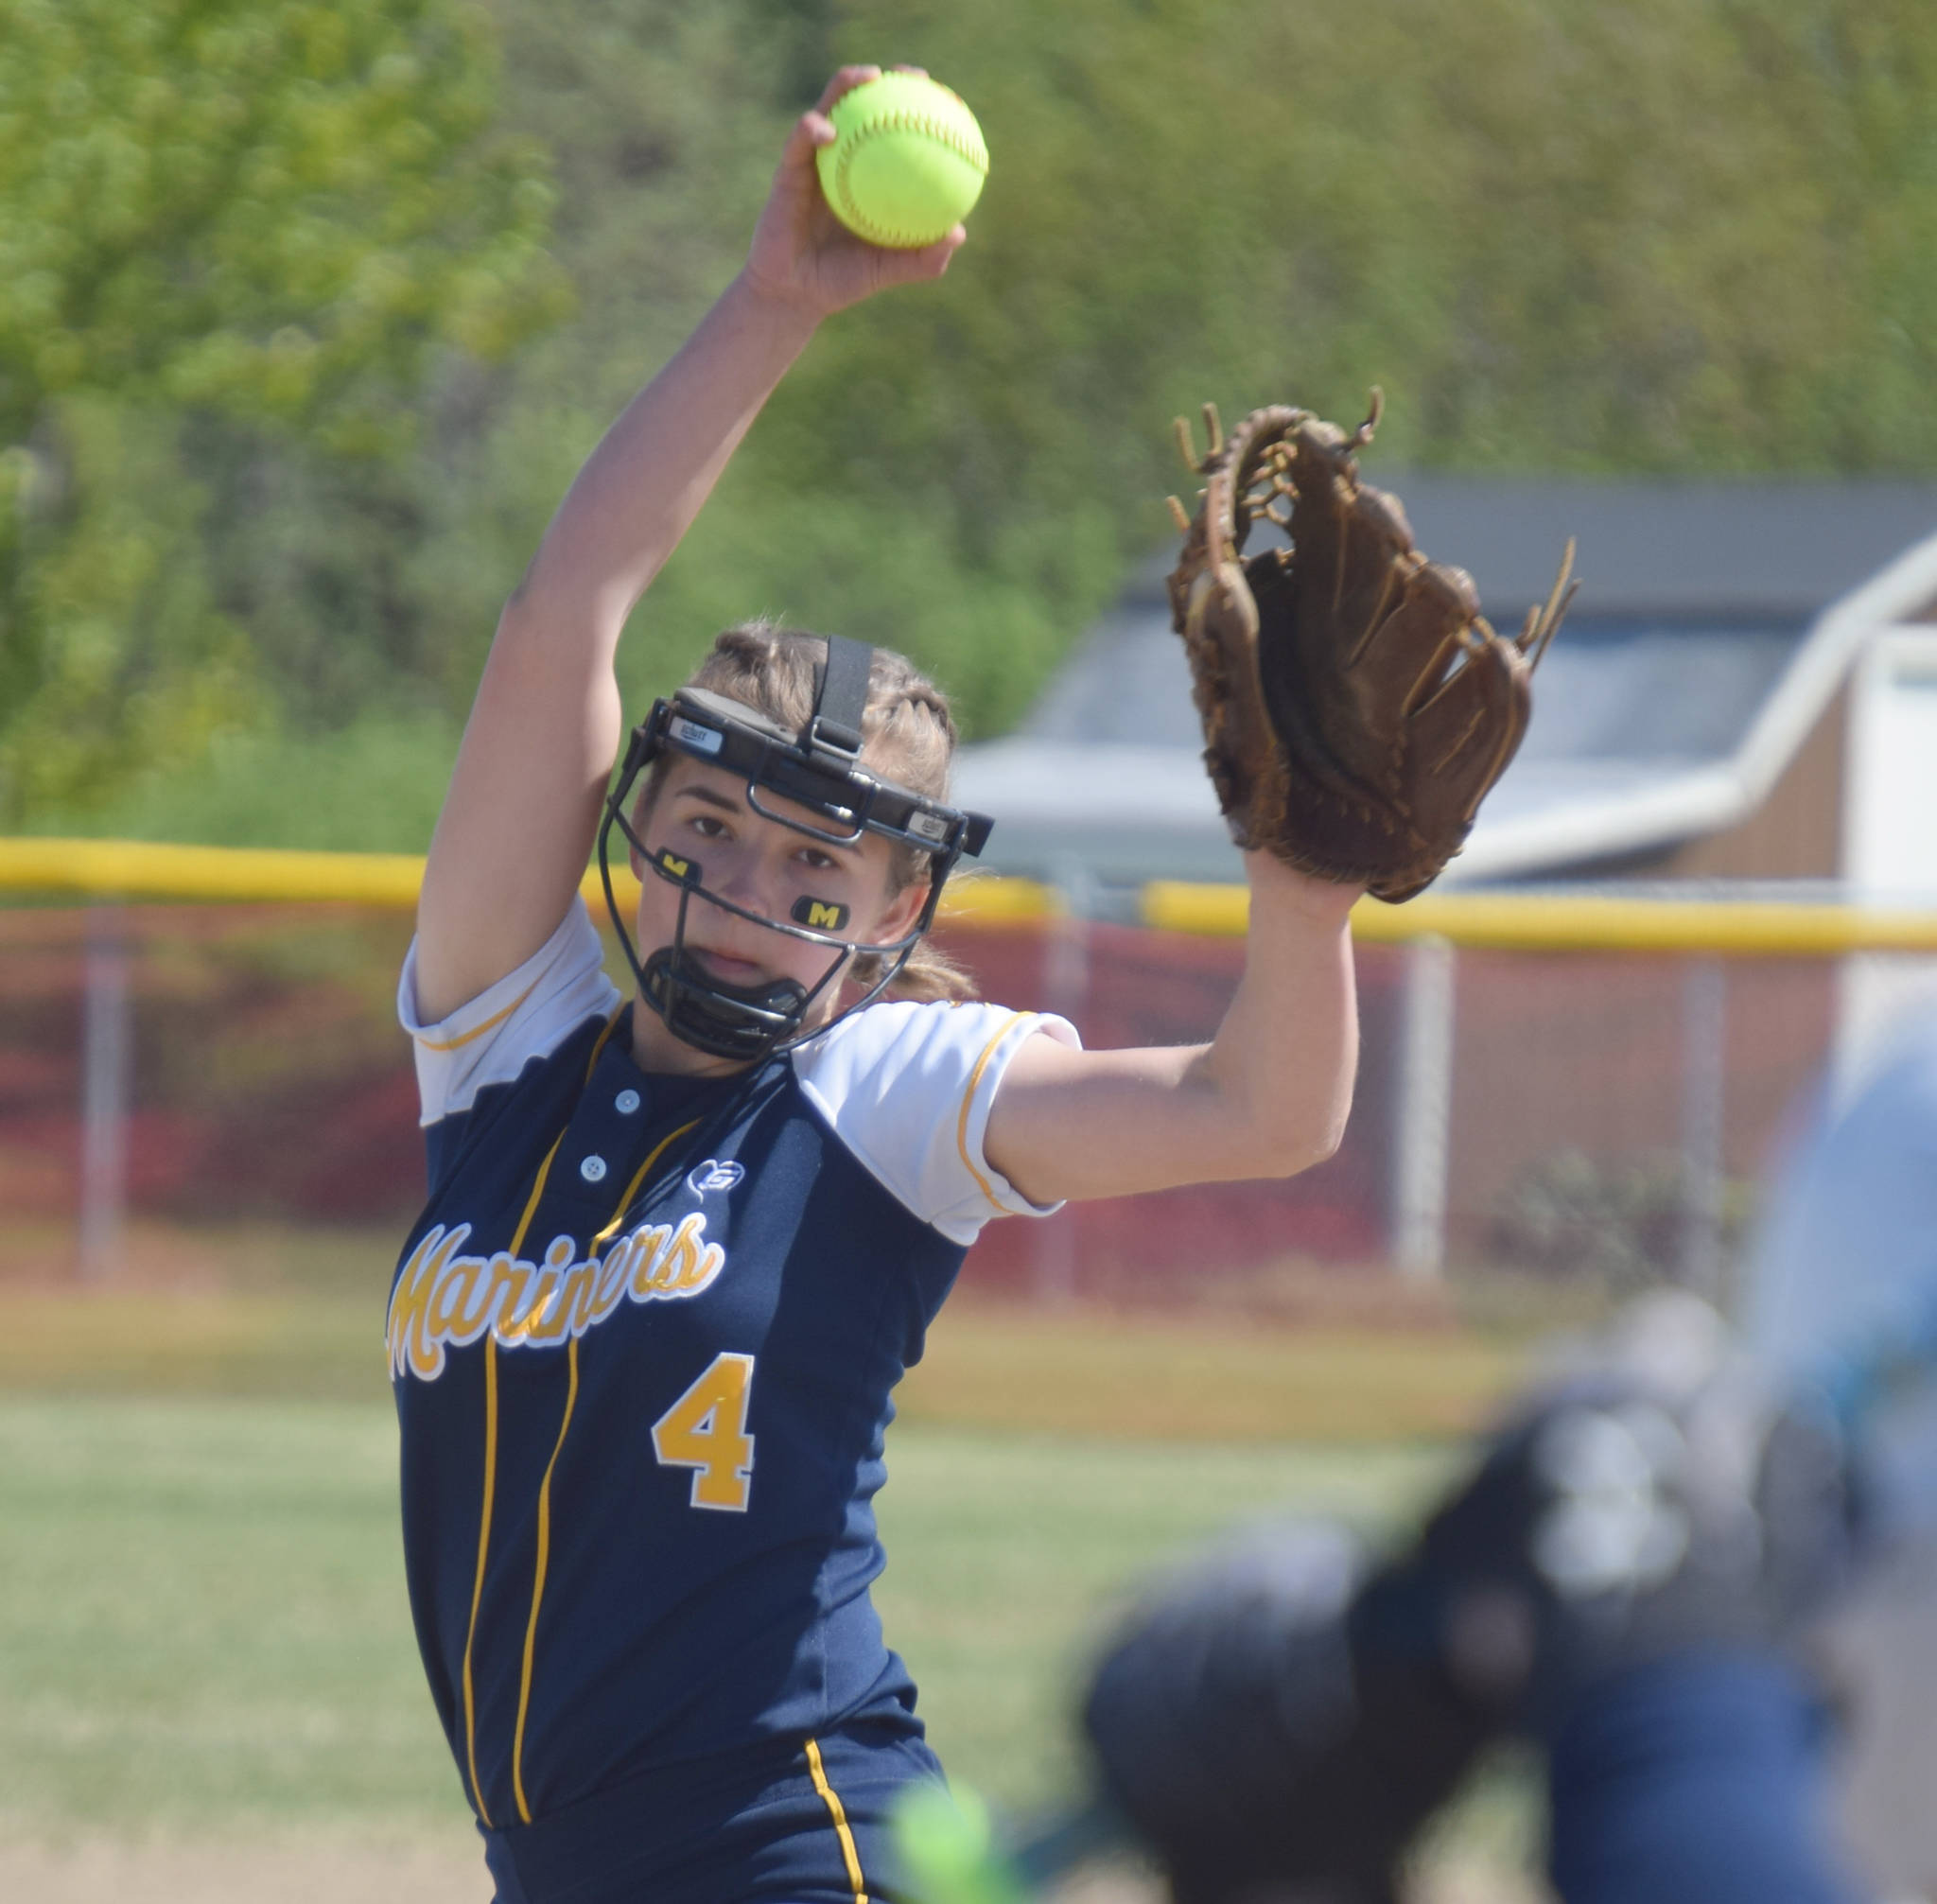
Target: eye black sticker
{"x": 684, "y": 872}
{"x": 828, "y": 915}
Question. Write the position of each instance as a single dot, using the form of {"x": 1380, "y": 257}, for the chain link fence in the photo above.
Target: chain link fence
{"x": 1586, "y": 1115}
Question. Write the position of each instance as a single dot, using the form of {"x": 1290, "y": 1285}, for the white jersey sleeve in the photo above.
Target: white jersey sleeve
{"x": 527, "y": 1014}
{"x": 907, "y": 1088}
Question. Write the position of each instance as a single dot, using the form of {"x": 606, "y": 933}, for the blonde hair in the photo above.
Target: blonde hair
{"x": 908, "y": 736}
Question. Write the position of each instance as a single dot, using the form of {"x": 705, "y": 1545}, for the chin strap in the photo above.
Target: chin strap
{"x": 723, "y": 1020}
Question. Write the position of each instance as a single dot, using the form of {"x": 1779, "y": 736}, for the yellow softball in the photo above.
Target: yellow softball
{"x": 908, "y": 163}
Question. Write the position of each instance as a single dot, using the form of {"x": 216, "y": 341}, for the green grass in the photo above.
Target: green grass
{"x": 1006, "y": 1553}
{"x": 203, "y": 1622}
{"x": 203, "y": 1629}
{"x": 251, "y": 1311}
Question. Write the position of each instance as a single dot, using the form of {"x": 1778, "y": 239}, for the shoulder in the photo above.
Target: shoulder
{"x": 527, "y": 1014}
{"x": 907, "y": 1088}
{"x": 906, "y": 1036}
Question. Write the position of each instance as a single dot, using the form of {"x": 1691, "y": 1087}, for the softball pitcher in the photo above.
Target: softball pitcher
{"x": 682, "y": 1243}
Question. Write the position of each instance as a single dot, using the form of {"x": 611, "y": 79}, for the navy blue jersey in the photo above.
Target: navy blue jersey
{"x": 643, "y": 1341}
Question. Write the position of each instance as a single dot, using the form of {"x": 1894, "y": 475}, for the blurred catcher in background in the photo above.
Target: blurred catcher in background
{"x": 1699, "y": 1574}
{"x": 1840, "y": 1300}
{"x": 1623, "y": 1580}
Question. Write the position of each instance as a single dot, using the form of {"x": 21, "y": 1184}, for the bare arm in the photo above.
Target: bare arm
{"x": 1267, "y": 1097}
{"x": 519, "y": 817}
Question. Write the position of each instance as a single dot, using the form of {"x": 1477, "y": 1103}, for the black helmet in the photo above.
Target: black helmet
{"x": 818, "y": 769}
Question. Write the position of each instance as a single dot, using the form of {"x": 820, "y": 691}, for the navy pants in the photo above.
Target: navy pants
{"x": 1694, "y": 1780}
{"x": 776, "y": 1825}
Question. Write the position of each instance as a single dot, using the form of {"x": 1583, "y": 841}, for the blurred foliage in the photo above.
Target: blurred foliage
{"x": 1618, "y": 1223}
{"x": 1677, "y": 236}
{"x": 222, "y": 223}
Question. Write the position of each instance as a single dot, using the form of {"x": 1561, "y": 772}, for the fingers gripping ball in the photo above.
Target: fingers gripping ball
{"x": 908, "y": 163}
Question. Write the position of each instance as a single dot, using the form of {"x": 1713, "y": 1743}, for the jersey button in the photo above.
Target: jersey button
{"x": 627, "y": 1103}
{"x": 592, "y": 1169}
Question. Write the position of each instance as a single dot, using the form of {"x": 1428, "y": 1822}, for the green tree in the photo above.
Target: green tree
{"x": 251, "y": 215}
{"x": 1684, "y": 235}
{"x": 1605, "y": 235}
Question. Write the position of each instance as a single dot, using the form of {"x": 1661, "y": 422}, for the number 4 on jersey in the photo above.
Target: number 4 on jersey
{"x": 705, "y": 1431}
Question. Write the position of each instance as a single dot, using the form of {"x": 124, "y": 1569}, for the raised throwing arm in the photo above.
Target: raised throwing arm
{"x": 519, "y": 820}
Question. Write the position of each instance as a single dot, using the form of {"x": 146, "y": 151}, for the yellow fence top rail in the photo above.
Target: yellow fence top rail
{"x": 138, "y": 869}
{"x": 1546, "y": 922}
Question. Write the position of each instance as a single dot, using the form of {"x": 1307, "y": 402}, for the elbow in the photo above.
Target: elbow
{"x": 1299, "y": 1143}
{"x": 1325, "y": 1142}
{"x": 526, "y": 601}
{"x": 1323, "y": 1146}
{"x": 548, "y": 608}
{"x": 521, "y": 626}
{"x": 1276, "y": 1119}
{"x": 1318, "y": 1147}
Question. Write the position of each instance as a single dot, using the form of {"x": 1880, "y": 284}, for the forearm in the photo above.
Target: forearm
{"x": 640, "y": 490}
{"x": 1267, "y": 1097}
{"x": 1282, "y": 1067}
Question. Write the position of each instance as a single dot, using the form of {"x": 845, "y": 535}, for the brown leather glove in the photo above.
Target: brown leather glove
{"x": 1356, "y": 705}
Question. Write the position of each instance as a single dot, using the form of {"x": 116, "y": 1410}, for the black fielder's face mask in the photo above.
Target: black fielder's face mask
{"x": 812, "y": 782}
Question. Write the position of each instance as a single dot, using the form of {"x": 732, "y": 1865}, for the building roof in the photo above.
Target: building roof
{"x": 1769, "y": 550}
{"x": 1714, "y": 624}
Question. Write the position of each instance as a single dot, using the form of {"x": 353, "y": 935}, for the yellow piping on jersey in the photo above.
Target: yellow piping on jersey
{"x": 591, "y": 1065}
{"x": 571, "y": 1394}
{"x": 638, "y": 1177}
{"x": 491, "y": 1446}
{"x": 968, "y": 1100}
{"x": 478, "y": 1585}
{"x": 491, "y": 1023}
{"x": 831, "y": 1799}
{"x": 517, "y": 1740}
